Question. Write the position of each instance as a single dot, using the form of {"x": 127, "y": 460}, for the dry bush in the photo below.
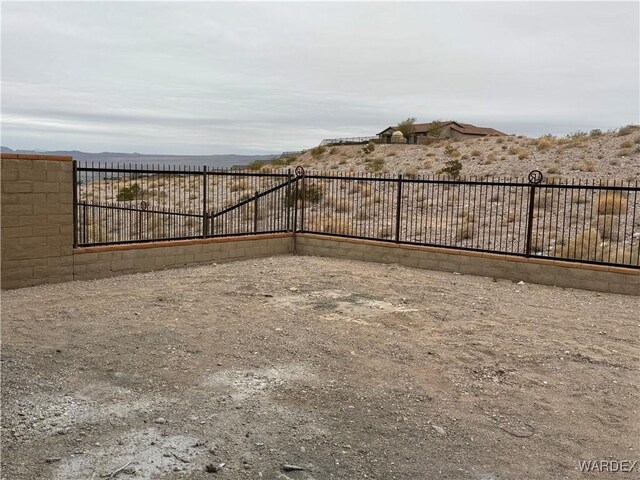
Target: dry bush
{"x": 553, "y": 170}
{"x": 522, "y": 154}
{"x": 428, "y": 164}
{"x": 629, "y": 129}
{"x": 385, "y": 232}
{"x": 512, "y": 150}
{"x": 335, "y": 225}
{"x": 364, "y": 214}
{"x": 617, "y": 254}
{"x": 465, "y": 231}
{"x": 584, "y": 246}
{"x": 608, "y": 227}
{"x": 544, "y": 144}
{"x": 624, "y": 152}
{"x": 476, "y": 153}
{"x": 626, "y": 144}
{"x": 587, "y": 166}
{"x": 611, "y": 203}
{"x": 342, "y": 206}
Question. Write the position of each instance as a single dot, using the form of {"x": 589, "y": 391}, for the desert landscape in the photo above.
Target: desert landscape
{"x": 351, "y": 190}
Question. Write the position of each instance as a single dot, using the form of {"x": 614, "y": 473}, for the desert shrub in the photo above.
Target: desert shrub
{"x": 513, "y": 150}
{"x": 316, "y": 152}
{"x": 385, "y": 232}
{"x": 629, "y": 129}
{"x": 578, "y": 134}
{"x": 544, "y": 144}
{"x": 624, "y": 152}
{"x": 452, "y": 151}
{"x": 255, "y": 165}
{"x": 608, "y": 227}
{"x": 596, "y": 132}
{"x": 637, "y": 140}
{"x": 476, "y": 153}
{"x": 282, "y": 162}
{"x": 611, "y": 203}
{"x": 335, "y": 225}
{"x": 466, "y": 230}
{"x": 333, "y": 150}
{"x": 626, "y": 144}
{"x": 374, "y": 165}
{"x": 126, "y": 194}
{"x": 368, "y": 148}
{"x": 452, "y": 168}
{"x": 311, "y": 193}
{"x": 583, "y": 246}
{"x": 587, "y": 166}
{"x": 552, "y": 170}
{"x": 522, "y": 154}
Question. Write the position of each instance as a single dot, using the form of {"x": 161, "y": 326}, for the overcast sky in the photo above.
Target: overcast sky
{"x": 198, "y": 78}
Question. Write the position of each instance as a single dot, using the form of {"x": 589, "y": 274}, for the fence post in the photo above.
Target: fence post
{"x": 255, "y": 213}
{"x": 75, "y": 203}
{"x": 287, "y": 197}
{"x": 535, "y": 177}
{"x": 205, "y": 223}
{"x": 398, "y": 207}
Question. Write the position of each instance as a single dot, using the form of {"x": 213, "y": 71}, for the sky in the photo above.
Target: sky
{"x": 213, "y": 77}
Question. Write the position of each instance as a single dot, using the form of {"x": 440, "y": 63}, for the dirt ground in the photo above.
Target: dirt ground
{"x": 344, "y": 369}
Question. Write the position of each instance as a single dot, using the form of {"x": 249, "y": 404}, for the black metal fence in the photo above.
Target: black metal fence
{"x": 577, "y": 220}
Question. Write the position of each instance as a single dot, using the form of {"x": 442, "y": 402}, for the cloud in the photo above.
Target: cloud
{"x": 235, "y": 77}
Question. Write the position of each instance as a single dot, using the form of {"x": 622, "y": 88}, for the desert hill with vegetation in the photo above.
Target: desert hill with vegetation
{"x": 583, "y": 156}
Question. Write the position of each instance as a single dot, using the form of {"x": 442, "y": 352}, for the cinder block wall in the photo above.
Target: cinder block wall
{"x": 37, "y": 219}
{"x": 101, "y": 262}
{"x": 531, "y": 270}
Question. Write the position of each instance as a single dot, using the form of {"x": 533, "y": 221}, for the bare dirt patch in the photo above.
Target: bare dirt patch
{"x": 344, "y": 369}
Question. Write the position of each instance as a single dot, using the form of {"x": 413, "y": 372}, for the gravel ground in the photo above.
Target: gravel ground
{"x": 344, "y": 369}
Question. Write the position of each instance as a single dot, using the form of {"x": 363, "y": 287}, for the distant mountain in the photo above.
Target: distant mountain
{"x": 230, "y": 160}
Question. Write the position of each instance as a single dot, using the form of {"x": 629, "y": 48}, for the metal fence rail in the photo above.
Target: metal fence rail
{"x": 576, "y": 221}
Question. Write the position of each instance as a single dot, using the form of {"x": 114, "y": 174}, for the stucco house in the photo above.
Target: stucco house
{"x": 426, "y": 132}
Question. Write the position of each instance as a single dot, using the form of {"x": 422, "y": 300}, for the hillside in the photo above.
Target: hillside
{"x": 613, "y": 155}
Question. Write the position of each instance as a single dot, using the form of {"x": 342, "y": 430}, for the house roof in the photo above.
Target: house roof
{"x": 469, "y": 129}
{"x": 465, "y": 128}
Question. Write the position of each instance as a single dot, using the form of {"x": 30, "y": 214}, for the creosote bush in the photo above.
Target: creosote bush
{"x": 611, "y": 203}
{"x": 452, "y": 168}
{"x": 369, "y": 148}
{"x": 127, "y": 194}
{"x": 311, "y": 193}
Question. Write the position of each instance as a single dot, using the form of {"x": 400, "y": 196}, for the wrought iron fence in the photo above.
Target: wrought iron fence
{"x": 596, "y": 222}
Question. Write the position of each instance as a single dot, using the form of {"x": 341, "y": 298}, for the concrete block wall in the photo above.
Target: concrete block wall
{"x": 37, "y": 219}
{"x": 107, "y": 261}
{"x": 531, "y": 270}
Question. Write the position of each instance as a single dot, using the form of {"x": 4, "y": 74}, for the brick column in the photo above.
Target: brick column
{"x": 37, "y": 219}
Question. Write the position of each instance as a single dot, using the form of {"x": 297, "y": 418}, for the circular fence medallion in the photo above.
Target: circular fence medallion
{"x": 299, "y": 171}
{"x": 535, "y": 176}
{"x": 143, "y": 205}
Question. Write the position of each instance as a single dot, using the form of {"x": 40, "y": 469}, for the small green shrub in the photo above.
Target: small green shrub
{"x": 126, "y": 194}
{"x": 452, "y": 168}
{"x": 596, "y": 132}
{"x": 311, "y": 193}
{"x": 368, "y": 148}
